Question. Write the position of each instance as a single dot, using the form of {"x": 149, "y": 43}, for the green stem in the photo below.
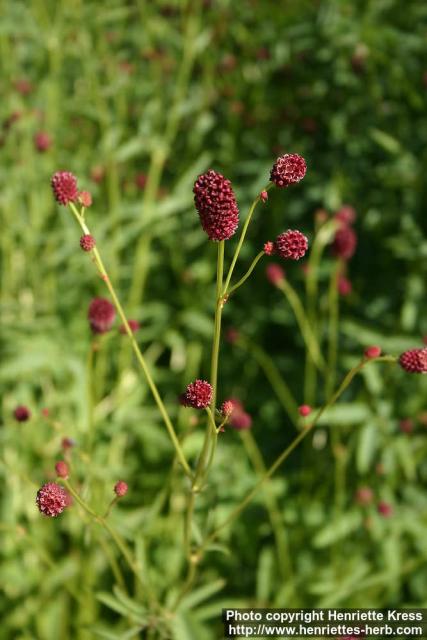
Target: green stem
{"x": 333, "y": 327}
{"x": 285, "y": 454}
{"x": 101, "y": 521}
{"x": 138, "y": 353}
{"x": 217, "y": 323}
{"x": 241, "y": 240}
{"x": 303, "y": 323}
{"x": 257, "y": 460}
{"x": 278, "y": 384}
{"x": 247, "y": 274}
{"x": 322, "y": 238}
{"x": 214, "y": 441}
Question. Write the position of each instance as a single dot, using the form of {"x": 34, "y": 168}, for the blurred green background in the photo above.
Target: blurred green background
{"x": 137, "y": 99}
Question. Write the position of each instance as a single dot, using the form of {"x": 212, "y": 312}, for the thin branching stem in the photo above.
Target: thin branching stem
{"x": 152, "y": 385}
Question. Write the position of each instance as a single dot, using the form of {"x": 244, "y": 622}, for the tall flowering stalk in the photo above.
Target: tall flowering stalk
{"x": 217, "y": 207}
{"x": 65, "y": 190}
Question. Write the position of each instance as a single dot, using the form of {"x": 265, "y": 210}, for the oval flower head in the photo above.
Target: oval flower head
{"x": 216, "y": 204}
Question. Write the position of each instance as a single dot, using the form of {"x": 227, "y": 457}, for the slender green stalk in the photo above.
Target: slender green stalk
{"x": 138, "y": 353}
{"x": 278, "y": 384}
{"x": 101, "y": 521}
{"x": 241, "y": 240}
{"x": 333, "y": 308}
{"x": 160, "y": 152}
{"x": 303, "y": 323}
{"x": 257, "y": 460}
{"x": 214, "y": 441}
{"x": 90, "y": 395}
{"x": 285, "y": 454}
{"x": 321, "y": 240}
{"x": 211, "y": 434}
{"x": 247, "y": 274}
{"x": 217, "y": 323}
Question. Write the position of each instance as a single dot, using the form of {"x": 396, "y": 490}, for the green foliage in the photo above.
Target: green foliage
{"x": 168, "y": 90}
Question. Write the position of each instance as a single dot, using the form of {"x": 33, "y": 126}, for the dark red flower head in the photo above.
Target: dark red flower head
{"x": 406, "y": 425}
{"x": 275, "y": 274}
{"x": 197, "y": 395}
{"x": 240, "y": 420}
{"x": 101, "y": 315}
{"x": 42, "y": 141}
{"x": 52, "y": 499}
{"x": 64, "y": 186}
{"x": 61, "y": 469}
{"x": 133, "y": 325}
{"x": 414, "y": 360}
{"x": 120, "y": 489}
{"x": 344, "y": 244}
{"x": 22, "y": 414}
{"x": 141, "y": 181}
{"x": 87, "y": 242}
{"x": 232, "y": 335}
{"x": 67, "y": 443}
{"x": 288, "y": 169}
{"x": 385, "y": 509}
{"x": 216, "y": 204}
{"x": 346, "y": 215}
{"x": 291, "y": 245}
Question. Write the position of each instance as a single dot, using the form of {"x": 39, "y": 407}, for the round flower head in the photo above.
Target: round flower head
{"x": 64, "y": 187}
{"x": 344, "y": 244}
{"x": 346, "y": 215}
{"x": 288, "y": 169}
{"x": 42, "y": 141}
{"x": 141, "y": 181}
{"x": 406, "y": 425}
{"x": 364, "y": 495}
{"x": 22, "y": 414}
{"x": 67, "y": 443}
{"x": 120, "y": 489}
{"x": 197, "y": 395}
{"x": 227, "y": 408}
{"x": 291, "y": 245}
{"x": 414, "y": 360}
{"x": 87, "y": 242}
{"x": 51, "y": 499}
{"x": 385, "y": 509}
{"x": 372, "y": 352}
{"x": 61, "y": 469}
{"x": 275, "y": 274}
{"x": 269, "y": 248}
{"x": 85, "y": 198}
{"x": 240, "y": 420}
{"x": 101, "y": 315}
{"x": 133, "y": 325}
{"x": 304, "y": 410}
{"x": 232, "y": 335}
{"x": 216, "y": 204}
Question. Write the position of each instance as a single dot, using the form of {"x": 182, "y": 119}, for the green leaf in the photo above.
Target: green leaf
{"x": 366, "y": 447}
{"x": 338, "y": 529}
